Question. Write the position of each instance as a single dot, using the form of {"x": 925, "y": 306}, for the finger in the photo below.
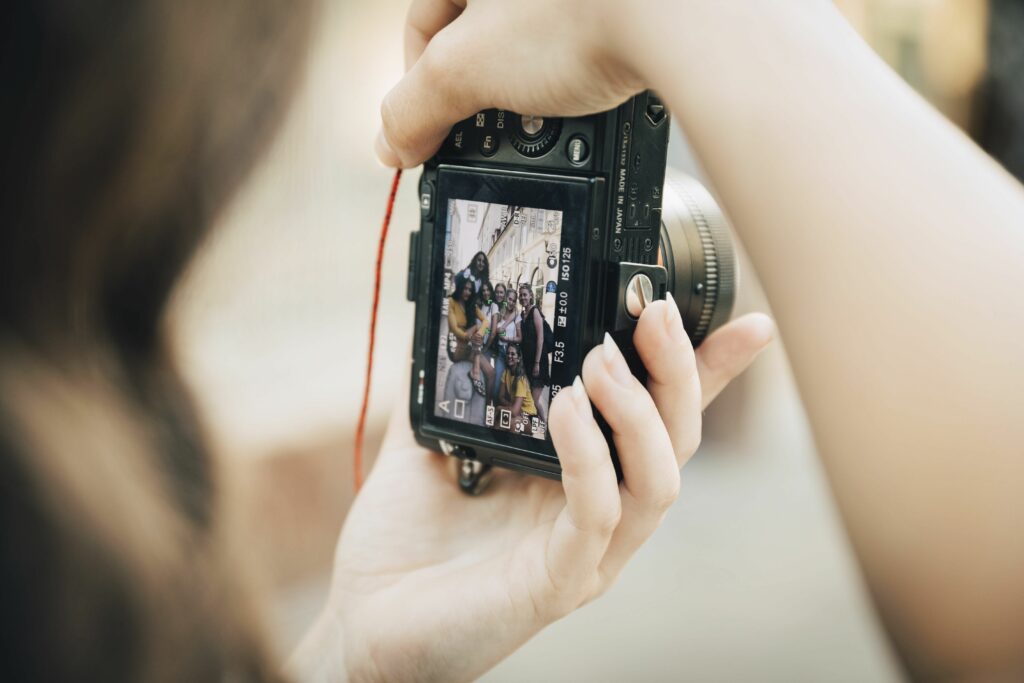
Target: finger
{"x": 650, "y": 473}
{"x": 424, "y": 20}
{"x": 673, "y": 382}
{"x": 585, "y": 526}
{"x": 438, "y": 91}
{"x": 730, "y": 350}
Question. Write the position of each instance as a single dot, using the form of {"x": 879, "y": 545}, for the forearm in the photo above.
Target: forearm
{"x": 891, "y": 251}
{"x": 539, "y": 336}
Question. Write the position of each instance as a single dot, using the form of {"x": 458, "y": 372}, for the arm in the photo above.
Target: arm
{"x": 889, "y": 244}
{"x": 455, "y": 328}
{"x": 538, "y": 326}
{"x": 517, "y": 408}
{"x": 894, "y": 268}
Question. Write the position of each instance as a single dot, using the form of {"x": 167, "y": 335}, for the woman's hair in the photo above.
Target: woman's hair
{"x": 128, "y": 124}
{"x": 483, "y": 275}
{"x": 529, "y": 290}
{"x": 480, "y": 294}
{"x": 460, "y": 284}
{"x": 518, "y": 371}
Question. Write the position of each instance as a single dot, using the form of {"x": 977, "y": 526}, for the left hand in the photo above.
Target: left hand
{"x": 536, "y": 369}
{"x": 431, "y": 584}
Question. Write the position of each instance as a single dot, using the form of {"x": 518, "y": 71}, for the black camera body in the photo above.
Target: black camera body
{"x": 568, "y": 214}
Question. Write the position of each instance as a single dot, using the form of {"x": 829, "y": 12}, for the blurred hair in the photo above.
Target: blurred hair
{"x": 484, "y": 274}
{"x": 517, "y": 372}
{"x": 128, "y": 124}
{"x": 480, "y": 293}
{"x": 460, "y": 284}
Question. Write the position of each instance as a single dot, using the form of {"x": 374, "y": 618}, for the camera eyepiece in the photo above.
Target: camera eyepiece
{"x": 697, "y": 251}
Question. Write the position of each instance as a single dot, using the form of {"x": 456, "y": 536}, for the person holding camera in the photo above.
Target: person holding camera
{"x": 890, "y": 247}
{"x": 888, "y": 243}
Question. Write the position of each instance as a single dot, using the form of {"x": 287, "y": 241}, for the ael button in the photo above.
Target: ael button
{"x": 655, "y": 110}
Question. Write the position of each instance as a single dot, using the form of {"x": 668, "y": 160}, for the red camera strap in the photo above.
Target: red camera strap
{"x": 357, "y": 461}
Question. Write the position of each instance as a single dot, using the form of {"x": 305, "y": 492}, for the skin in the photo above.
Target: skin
{"x": 417, "y": 558}
{"x": 888, "y": 243}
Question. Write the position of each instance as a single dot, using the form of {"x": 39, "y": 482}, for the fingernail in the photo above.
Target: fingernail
{"x": 615, "y": 363}
{"x": 579, "y": 395}
{"x": 385, "y": 154}
{"x": 674, "y": 321}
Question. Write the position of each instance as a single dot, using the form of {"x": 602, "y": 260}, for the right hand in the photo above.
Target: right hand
{"x": 543, "y": 57}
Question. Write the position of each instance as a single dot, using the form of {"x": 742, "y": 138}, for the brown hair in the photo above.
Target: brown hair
{"x": 127, "y": 126}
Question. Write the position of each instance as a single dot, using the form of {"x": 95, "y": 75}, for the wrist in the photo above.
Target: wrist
{"x": 628, "y": 34}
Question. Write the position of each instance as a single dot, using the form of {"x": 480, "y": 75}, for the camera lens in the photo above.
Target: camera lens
{"x": 697, "y": 252}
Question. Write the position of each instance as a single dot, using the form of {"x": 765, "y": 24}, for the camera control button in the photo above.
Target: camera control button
{"x": 489, "y": 144}
{"x": 655, "y": 110}
{"x": 639, "y": 293}
{"x": 426, "y": 198}
{"x": 578, "y": 150}
{"x": 534, "y": 136}
{"x": 532, "y": 125}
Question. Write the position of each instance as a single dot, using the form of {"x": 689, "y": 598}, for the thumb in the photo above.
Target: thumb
{"x": 730, "y": 350}
{"x": 437, "y": 92}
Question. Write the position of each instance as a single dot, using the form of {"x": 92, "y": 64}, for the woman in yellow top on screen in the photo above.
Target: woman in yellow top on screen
{"x": 461, "y": 312}
{"x": 514, "y": 393}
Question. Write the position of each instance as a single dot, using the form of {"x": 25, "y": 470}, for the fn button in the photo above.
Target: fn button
{"x": 488, "y": 144}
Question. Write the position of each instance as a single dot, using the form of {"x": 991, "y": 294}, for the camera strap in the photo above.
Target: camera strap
{"x": 357, "y": 460}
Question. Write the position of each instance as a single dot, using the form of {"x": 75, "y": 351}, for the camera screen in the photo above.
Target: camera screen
{"x": 499, "y": 316}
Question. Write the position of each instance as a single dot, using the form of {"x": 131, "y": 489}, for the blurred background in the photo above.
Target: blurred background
{"x": 751, "y": 577}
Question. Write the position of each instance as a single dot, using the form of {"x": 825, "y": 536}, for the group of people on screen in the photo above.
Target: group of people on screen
{"x": 499, "y": 329}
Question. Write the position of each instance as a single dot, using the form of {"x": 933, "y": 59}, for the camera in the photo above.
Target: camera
{"x": 537, "y": 236}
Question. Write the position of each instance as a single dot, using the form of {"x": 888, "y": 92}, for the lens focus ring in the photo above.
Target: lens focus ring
{"x": 697, "y": 251}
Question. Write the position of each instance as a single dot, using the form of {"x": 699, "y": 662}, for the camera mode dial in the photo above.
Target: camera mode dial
{"x": 534, "y": 136}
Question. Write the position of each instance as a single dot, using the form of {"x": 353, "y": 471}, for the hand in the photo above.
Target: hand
{"x": 494, "y": 53}
{"x": 478, "y": 338}
{"x": 430, "y": 584}
{"x": 536, "y": 369}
